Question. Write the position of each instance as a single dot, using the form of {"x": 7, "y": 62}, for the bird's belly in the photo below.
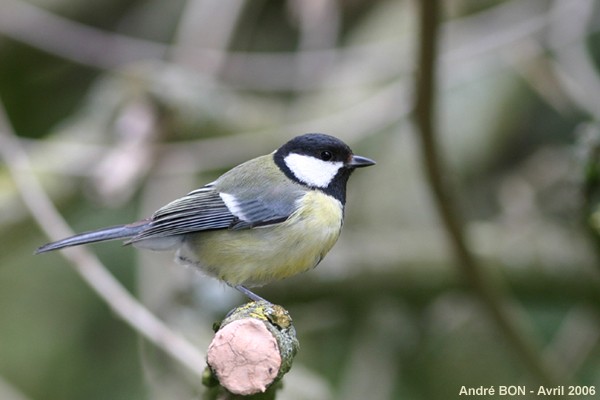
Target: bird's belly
{"x": 254, "y": 257}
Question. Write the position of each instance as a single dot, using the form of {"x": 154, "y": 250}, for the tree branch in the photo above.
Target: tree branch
{"x": 251, "y": 351}
{"x": 424, "y": 117}
{"x": 85, "y": 263}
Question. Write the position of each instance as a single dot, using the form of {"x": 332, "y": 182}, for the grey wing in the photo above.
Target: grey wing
{"x": 256, "y": 211}
{"x": 207, "y": 209}
{"x": 200, "y": 210}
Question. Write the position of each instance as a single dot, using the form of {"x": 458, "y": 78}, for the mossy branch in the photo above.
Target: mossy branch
{"x": 252, "y": 349}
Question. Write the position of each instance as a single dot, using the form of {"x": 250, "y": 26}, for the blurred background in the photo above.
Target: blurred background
{"x": 121, "y": 106}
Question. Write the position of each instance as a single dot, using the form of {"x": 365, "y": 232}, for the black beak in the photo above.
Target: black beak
{"x": 359, "y": 162}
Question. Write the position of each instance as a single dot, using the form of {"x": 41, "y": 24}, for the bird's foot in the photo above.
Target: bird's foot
{"x": 250, "y": 294}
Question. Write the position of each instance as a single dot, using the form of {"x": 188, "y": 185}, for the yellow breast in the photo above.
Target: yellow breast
{"x": 257, "y": 256}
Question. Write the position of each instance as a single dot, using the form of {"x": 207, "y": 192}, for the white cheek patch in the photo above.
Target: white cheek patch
{"x": 233, "y": 205}
{"x": 311, "y": 170}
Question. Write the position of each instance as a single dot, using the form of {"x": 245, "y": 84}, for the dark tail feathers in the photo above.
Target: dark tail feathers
{"x": 100, "y": 235}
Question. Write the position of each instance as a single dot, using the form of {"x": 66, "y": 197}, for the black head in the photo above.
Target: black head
{"x": 319, "y": 161}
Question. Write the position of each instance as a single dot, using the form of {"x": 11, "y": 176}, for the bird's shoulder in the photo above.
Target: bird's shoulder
{"x": 258, "y": 192}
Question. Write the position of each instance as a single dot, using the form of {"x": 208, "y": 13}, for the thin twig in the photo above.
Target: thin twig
{"x": 10, "y": 392}
{"x": 372, "y": 62}
{"x": 205, "y": 25}
{"x": 424, "y": 116}
{"x": 73, "y": 40}
{"x": 573, "y": 65}
{"x": 85, "y": 263}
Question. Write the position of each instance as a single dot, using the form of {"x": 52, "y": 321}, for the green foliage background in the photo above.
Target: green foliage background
{"x": 123, "y": 106}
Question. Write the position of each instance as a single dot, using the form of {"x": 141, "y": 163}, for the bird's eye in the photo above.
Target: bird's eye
{"x": 326, "y": 155}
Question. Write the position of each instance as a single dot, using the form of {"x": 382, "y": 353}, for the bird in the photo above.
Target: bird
{"x": 267, "y": 219}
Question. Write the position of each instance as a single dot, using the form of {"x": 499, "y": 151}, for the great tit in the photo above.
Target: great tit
{"x": 266, "y": 219}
